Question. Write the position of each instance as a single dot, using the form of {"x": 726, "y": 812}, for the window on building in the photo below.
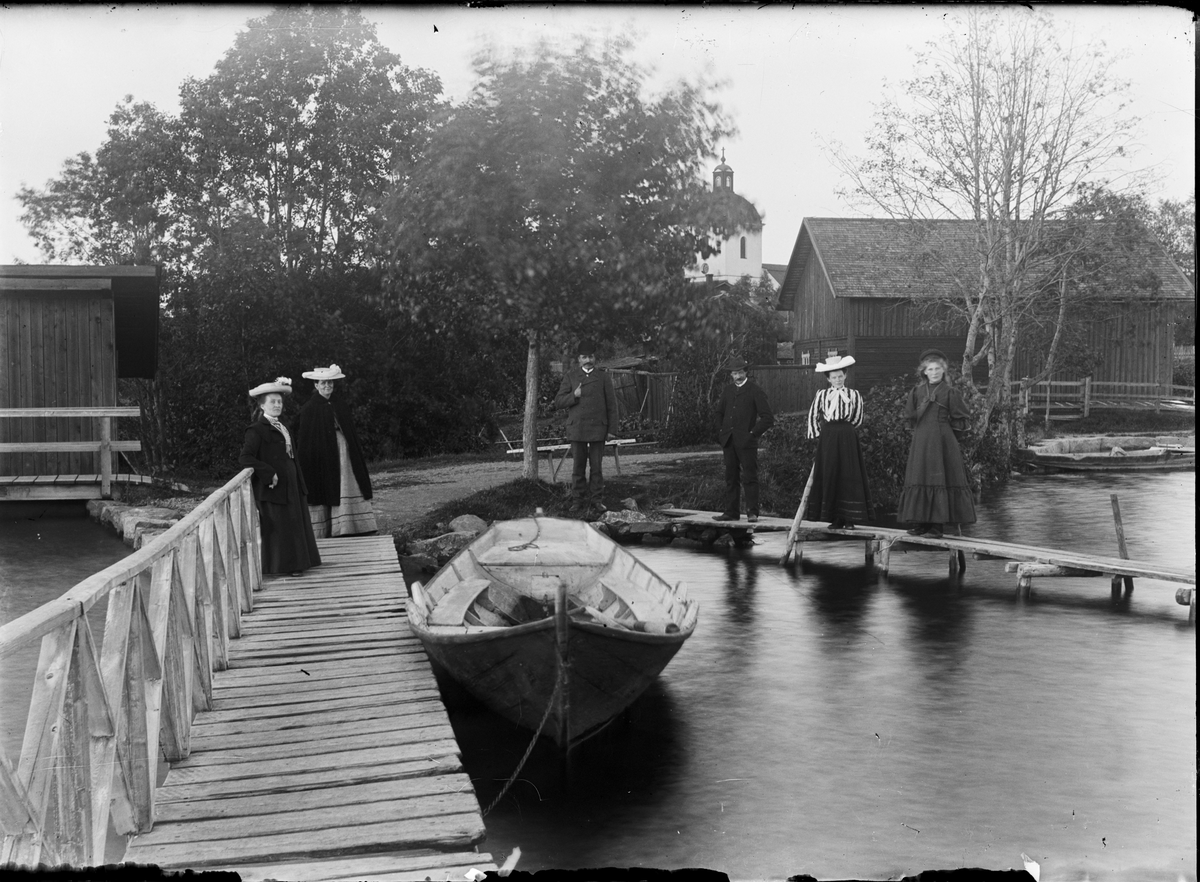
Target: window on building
{"x": 804, "y": 357}
{"x": 743, "y": 247}
{"x": 830, "y": 353}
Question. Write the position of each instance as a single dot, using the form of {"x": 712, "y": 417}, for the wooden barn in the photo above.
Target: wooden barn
{"x": 67, "y": 334}
{"x": 868, "y": 288}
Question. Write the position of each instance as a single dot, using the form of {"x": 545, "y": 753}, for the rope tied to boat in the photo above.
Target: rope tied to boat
{"x": 532, "y": 543}
{"x": 536, "y": 735}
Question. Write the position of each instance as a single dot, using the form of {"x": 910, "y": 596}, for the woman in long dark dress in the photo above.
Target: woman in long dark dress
{"x": 839, "y": 489}
{"x": 331, "y": 461}
{"x": 937, "y": 490}
{"x": 288, "y": 544}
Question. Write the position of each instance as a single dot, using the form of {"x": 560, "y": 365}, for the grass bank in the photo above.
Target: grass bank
{"x": 679, "y": 485}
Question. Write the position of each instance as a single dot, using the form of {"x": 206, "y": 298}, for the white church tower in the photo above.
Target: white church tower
{"x": 741, "y": 253}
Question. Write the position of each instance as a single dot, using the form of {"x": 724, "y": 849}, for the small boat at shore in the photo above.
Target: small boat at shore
{"x": 1111, "y": 453}
{"x": 551, "y": 624}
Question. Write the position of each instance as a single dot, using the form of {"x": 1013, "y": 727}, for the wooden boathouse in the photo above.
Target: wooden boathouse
{"x": 300, "y": 718}
{"x": 67, "y": 334}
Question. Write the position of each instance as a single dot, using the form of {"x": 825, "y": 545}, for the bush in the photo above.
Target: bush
{"x": 1184, "y": 372}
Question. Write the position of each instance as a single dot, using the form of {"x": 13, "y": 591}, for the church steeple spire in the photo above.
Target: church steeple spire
{"x": 723, "y": 176}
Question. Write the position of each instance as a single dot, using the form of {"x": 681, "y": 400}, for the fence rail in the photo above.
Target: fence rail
{"x": 1085, "y": 394}
{"x": 106, "y": 447}
{"x": 99, "y": 718}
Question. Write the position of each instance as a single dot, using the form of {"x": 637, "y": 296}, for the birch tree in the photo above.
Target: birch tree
{"x": 1002, "y": 125}
{"x": 560, "y": 201}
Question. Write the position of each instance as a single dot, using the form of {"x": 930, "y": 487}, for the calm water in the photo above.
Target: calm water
{"x": 45, "y": 549}
{"x": 820, "y": 722}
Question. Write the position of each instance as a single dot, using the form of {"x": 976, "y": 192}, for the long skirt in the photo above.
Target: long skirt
{"x": 353, "y": 514}
{"x": 288, "y": 544}
{"x": 839, "y": 488}
{"x": 936, "y": 487}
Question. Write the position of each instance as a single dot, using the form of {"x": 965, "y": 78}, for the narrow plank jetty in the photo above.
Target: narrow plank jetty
{"x": 1026, "y": 561}
{"x": 327, "y": 752}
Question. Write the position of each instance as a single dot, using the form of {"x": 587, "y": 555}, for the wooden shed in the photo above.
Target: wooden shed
{"x": 67, "y": 333}
{"x": 869, "y": 288}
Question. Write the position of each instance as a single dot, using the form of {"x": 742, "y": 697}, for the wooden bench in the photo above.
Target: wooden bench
{"x": 551, "y": 449}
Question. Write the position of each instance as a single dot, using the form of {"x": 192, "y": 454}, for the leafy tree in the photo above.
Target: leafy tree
{"x": 557, "y": 201}
{"x": 116, "y": 207}
{"x": 1002, "y": 126}
{"x": 300, "y": 126}
{"x": 260, "y": 201}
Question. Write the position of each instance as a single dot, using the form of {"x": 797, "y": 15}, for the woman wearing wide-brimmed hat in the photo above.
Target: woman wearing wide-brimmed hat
{"x": 331, "y": 460}
{"x": 288, "y": 544}
{"x": 937, "y": 490}
{"x": 839, "y": 492}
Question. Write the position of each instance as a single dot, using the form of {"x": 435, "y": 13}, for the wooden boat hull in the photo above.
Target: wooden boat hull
{"x": 515, "y": 674}
{"x": 615, "y": 648}
{"x": 1100, "y": 462}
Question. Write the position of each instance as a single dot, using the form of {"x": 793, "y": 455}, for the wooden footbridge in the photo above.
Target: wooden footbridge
{"x": 880, "y": 543}
{"x": 304, "y": 731}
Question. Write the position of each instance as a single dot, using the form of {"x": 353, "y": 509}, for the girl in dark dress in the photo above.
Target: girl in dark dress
{"x": 288, "y": 544}
{"x": 936, "y": 488}
{"x": 839, "y": 489}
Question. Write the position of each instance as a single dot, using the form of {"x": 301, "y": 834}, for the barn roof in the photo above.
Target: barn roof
{"x": 879, "y": 257}
{"x": 135, "y": 293}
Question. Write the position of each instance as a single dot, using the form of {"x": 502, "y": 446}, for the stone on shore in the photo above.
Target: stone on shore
{"x": 468, "y": 523}
{"x": 443, "y": 547}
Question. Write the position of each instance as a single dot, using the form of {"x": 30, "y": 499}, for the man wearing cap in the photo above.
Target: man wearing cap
{"x": 743, "y": 416}
{"x": 587, "y": 394}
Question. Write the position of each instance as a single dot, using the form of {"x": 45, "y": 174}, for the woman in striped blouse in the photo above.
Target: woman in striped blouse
{"x": 839, "y": 484}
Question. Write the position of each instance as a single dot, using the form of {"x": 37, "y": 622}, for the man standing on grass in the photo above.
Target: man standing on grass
{"x": 743, "y": 415}
{"x": 588, "y": 396}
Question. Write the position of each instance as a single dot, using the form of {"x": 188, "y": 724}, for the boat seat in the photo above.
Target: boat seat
{"x": 452, "y": 608}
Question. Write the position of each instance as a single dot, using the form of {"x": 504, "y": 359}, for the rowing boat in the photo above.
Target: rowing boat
{"x": 1111, "y": 453}
{"x": 551, "y": 624}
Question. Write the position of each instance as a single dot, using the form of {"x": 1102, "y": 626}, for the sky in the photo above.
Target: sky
{"x": 798, "y": 79}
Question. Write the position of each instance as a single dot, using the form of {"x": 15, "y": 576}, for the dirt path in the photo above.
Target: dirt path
{"x": 403, "y": 495}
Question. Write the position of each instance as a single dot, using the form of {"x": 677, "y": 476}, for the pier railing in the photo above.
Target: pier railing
{"x": 100, "y": 716}
{"x": 105, "y": 446}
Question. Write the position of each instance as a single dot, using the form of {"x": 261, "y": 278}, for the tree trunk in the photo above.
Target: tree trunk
{"x": 529, "y": 432}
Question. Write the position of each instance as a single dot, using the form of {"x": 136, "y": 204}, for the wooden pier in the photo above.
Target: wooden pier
{"x": 301, "y": 720}
{"x": 327, "y": 752}
{"x": 880, "y": 543}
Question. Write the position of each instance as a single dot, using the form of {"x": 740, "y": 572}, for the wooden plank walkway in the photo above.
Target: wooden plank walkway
{"x": 327, "y": 753}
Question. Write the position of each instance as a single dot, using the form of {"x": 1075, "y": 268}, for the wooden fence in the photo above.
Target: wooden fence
{"x": 1079, "y": 397}
{"x": 99, "y": 718}
{"x": 105, "y": 447}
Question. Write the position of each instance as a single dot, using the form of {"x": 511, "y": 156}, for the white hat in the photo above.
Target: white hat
{"x": 333, "y": 372}
{"x": 837, "y": 363}
{"x": 282, "y": 385}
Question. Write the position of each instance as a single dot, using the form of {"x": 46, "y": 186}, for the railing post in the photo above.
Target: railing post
{"x": 1087, "y": 396}
{"x": 106, "y": 469}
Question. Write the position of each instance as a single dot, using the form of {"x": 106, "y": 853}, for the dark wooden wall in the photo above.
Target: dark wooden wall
{"x": 58, "y": 351}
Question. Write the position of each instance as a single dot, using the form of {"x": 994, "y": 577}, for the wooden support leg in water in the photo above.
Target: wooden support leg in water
{"x": 791, "y": 539}
{"x": 1116, "y": 506}
{"x": 883, "y": 557}
{"x": 958, "y": 565}
{"x": 869, "y": 552}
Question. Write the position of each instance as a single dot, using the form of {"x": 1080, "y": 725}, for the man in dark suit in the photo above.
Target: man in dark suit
{"x": 587, "y": 394}
{"x": 743, "y": 415}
